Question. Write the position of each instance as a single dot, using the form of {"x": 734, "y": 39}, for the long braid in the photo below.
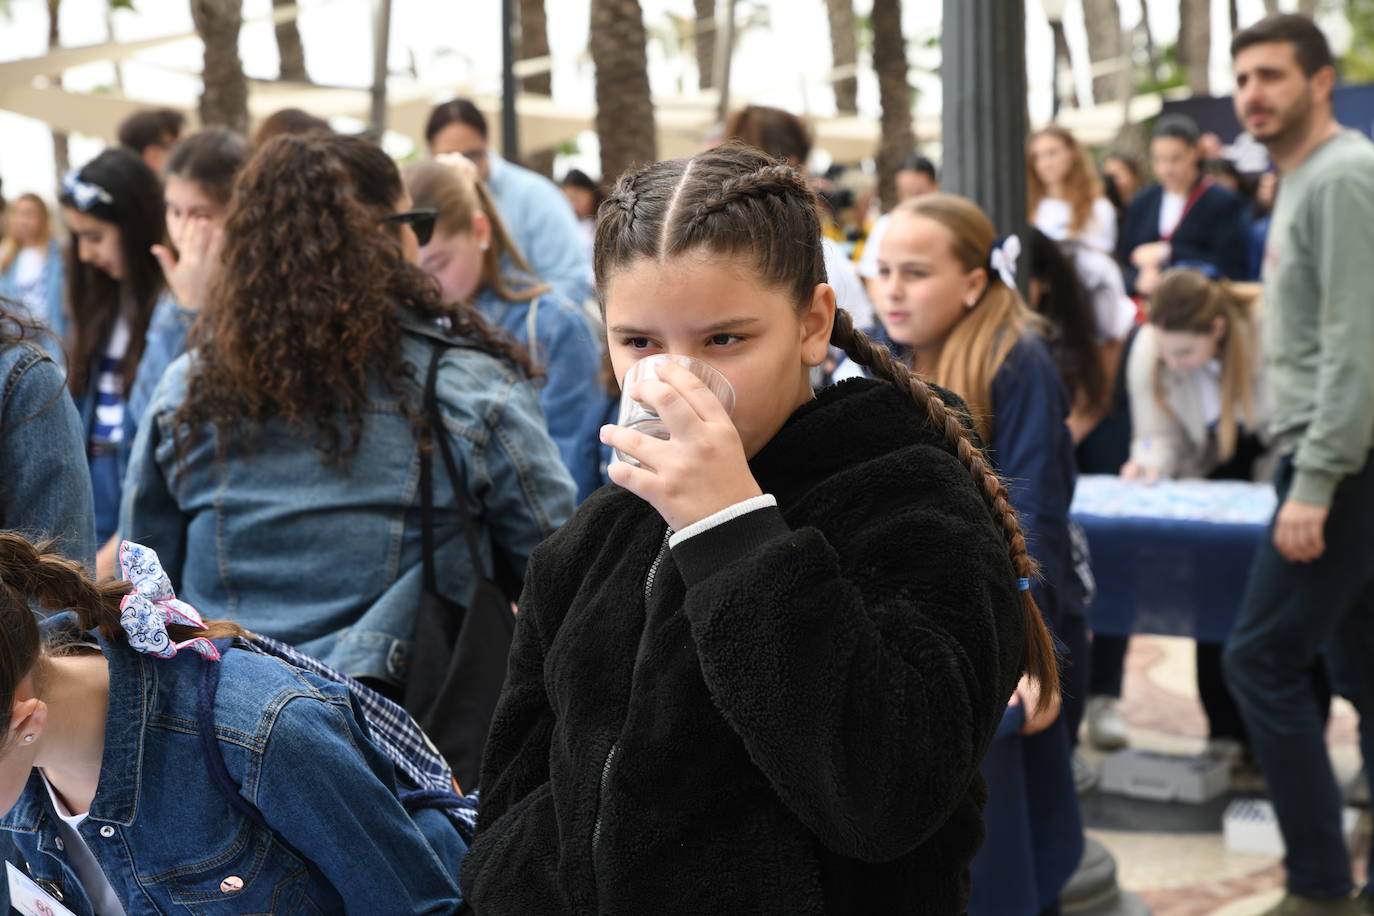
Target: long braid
{"x": 1039, "y": 659}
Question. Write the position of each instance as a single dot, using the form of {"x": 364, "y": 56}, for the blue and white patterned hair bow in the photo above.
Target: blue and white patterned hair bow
{"x": 1003, "y": 259}
{"x": 83, "y": 193}
{"x": 151, "y": 606}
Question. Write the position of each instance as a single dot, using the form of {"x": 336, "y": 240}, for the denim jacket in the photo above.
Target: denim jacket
{"x": 51, "y": 313}
{"x": 567, "y": 353}
{"x": 45, "y": 489}
{"x": 328, "y": 557}
{"x": 169, "y": 842}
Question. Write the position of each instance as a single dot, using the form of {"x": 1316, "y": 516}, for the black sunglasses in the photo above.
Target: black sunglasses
{"x": 422, "y": 221}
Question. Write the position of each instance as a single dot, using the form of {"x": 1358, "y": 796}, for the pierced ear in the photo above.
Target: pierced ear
{"x": 817, "y": 322}
{"x": 976, "y": 286}
{"x": 27, "y": 717}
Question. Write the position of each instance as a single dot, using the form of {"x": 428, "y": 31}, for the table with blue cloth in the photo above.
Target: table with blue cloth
{"x": 1171, "y": 558}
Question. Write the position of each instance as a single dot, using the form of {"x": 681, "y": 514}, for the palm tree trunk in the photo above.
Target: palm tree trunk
{"x": 534, "y": 42}
{"x": 61, "y": 151}
{"x": 1308, "y": 7}
{"x": 1064, "y": 55}
{"x": 624, "y": 105}
{"x": 704, "y": 39}
{"x": 1271, "y": 7}
{"x": 1103, "y": 21}
{"x": 1195, "y": 42}
{"x": 1151, "y": 53}
{"x": 844, "y": 52}
{"x": 289, "y": 47}
{"x": 889, "y": 60}
{"x": 224, "y": 99}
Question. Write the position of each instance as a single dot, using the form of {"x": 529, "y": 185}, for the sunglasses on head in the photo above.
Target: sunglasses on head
{"x": 422, "y": 221}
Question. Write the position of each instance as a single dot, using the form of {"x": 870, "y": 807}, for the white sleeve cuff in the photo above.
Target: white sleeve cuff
{"x": 753, "y": 504}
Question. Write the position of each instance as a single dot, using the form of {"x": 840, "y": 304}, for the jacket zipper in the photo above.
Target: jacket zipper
{"x": 615, "y": 748}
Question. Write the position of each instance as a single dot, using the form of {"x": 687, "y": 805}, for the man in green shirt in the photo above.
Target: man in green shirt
{"x": 1311, "y": 588}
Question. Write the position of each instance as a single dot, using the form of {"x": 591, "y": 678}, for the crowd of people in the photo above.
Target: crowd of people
{"x": 791, "y": 655}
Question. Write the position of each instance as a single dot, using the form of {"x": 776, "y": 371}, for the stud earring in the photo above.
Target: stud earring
{"x": 28, "y": 739}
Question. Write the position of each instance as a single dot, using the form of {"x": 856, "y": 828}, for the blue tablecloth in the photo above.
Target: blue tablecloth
{"x": 1172, "y": 558}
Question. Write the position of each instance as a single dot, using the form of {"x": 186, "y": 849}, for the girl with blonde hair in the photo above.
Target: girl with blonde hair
{"x": 31, "y": 268}
{"x": 474, "y": 260}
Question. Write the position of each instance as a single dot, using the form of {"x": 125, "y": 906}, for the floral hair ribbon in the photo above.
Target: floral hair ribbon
{"x": 85, "y": 194}
{"x": 147, "y": 610}
{"x": 1003, "y": 257}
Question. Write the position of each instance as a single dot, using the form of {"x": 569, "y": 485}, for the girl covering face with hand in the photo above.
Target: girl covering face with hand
{"x": 759, "y": 674}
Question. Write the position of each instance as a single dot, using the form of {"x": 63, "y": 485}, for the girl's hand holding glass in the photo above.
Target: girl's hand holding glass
{"x": 700, "y": 468}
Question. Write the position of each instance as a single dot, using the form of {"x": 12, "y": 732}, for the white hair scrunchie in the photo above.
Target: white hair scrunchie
{"x": 1002, "y": 259}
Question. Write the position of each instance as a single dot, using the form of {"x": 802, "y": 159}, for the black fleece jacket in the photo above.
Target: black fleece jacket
{"x": 782, "y": 715}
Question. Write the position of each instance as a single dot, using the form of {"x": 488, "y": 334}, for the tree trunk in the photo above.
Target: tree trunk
{"x": 1151, "y": 52}
{"x": 1233, "y": 8}
{"x": 1065, "y": 56}
{"x": 61, "y": 151}
{"x": 289, "y": 48}
{"x": 1271, "y": 7}
{"x": 844, "y": 52}
{"x": 889, "y": 60}
{"x": 1103, "y": 21}
{"x": 1195, "y": 43}
{"x": 1309, "y": 7}
{"x": 534, "y": 42}
{"x": 704, "y": 39}
{"x": 224, "y": 100}
{"x": 624, "y": 106}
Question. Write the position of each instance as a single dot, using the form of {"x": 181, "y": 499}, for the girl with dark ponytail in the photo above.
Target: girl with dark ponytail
{"x": 760, "y": 673}
{"x": 116, "y": 797}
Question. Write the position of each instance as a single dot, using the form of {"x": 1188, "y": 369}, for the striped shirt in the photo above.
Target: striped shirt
{"x": 108, "y": 427}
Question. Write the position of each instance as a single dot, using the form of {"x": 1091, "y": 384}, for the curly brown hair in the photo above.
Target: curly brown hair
{"x": 305, "y": 309}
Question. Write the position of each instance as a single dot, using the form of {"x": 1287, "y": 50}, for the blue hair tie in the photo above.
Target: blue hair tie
{"x": 1023, "y": 584}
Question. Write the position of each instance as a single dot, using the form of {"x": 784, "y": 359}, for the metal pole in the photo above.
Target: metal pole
{"x": 725, "y": 49}
{"x": 381, "y": 42}
{"x": 510, "y": 138}
{"x": 983, "y": 124}
{"x": 1056, "y": 30}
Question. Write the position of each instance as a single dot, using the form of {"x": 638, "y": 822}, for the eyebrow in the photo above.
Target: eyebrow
{"x": 729, "y": 324}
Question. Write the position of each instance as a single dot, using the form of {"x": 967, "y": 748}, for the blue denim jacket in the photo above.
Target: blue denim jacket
{"x": 51, "y": 313}
{"x": 45, "y": 489}
{"x": 328, "y": 558}
{"x": 165, "y": 836}
{"x": 572, "y": 396}
{"x": 543, "y": 226}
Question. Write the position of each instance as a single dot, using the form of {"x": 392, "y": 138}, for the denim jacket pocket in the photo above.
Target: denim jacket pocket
{"x": 254, "y": 874}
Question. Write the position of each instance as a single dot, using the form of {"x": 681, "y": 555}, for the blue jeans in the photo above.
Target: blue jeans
{"x": 1292, "y": 612}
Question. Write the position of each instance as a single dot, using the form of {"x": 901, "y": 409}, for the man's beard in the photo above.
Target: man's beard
{"x": 1289, "y": 124}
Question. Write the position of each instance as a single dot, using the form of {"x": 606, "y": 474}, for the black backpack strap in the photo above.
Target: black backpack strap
{"x": 439, "y": 433}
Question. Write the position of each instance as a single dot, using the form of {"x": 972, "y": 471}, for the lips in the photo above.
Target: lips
{"x": 896, "y": 317}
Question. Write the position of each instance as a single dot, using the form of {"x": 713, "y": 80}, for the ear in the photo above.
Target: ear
{"x": 481, "y": 229}
{"x": 1323, "y": 83}
{"x": 816, "y": 324}
{"x": 975, "y": 284}
{"x": 1219, "y": 327}
{"x": 27, "y": 717}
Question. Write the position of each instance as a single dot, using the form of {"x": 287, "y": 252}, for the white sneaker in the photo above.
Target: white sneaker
{"x": 1106, "y": 729}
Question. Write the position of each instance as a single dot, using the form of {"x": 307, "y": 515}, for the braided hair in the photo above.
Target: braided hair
{"x": 736, "y": 202}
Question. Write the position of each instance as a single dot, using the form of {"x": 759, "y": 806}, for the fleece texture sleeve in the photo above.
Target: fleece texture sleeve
{"x": 867, "y": 699}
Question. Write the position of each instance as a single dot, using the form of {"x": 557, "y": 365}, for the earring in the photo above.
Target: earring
{"x": 484, "y": 246}
{"x": 28, "y": 739}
